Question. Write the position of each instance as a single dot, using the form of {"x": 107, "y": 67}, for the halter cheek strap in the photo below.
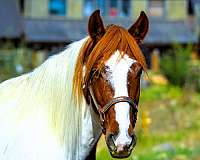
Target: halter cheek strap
{"x": 104, "y": 109}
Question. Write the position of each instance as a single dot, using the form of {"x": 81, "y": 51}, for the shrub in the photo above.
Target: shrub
{"x": 14, "y": 62}
{"x": 175, "y": 64}
{"x": 193, "y": 76}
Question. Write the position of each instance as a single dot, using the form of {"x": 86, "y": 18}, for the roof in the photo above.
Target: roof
{"x": 160, "y": 32}
{"x": 11, "y": 22}
{"x": 44, "y": 30}
{"x": 166, "y": 32}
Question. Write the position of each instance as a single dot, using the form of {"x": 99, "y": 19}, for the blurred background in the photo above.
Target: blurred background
{"x": 168, "y": 126}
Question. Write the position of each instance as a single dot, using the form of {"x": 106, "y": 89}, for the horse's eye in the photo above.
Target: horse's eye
{"x": 106, "y": 67}
{"x": 107, "y": 81}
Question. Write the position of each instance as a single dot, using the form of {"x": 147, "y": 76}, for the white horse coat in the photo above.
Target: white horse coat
{"x": 39, "y": 119}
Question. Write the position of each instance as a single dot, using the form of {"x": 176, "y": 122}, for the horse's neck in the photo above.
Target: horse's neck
{"x": 91, "y": 131}
{"x": 44, "y": 93}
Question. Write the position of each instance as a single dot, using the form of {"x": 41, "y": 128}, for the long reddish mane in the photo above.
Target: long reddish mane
{"x": 115, "y": 38}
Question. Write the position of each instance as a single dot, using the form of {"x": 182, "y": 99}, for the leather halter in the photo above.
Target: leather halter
{"x": 106, "y": 107}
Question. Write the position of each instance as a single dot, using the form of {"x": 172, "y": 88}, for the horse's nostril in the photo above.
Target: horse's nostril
{"x": 133, "y": 142}
{"x": 110, "y": 142}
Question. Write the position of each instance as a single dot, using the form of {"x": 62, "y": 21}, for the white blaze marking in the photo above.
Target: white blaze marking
{"x": 118, "y": 78}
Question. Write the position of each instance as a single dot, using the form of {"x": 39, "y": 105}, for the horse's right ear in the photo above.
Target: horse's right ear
{"x": 95, "y": 26}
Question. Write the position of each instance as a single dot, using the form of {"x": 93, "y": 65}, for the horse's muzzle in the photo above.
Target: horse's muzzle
{"x": 121, "y": 150}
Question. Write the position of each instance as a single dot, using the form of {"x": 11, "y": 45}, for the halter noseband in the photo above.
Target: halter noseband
{"x": 106, "y": 107}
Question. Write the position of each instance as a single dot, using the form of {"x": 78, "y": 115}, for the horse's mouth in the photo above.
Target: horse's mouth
{"x": 126, "y": 152}
{"x": 123, "y": 154}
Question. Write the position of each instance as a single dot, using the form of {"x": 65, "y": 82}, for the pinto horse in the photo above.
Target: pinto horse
{"x": 59, "y": 110}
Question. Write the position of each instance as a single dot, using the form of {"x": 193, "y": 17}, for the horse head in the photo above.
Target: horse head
{"x": 112, "y": 65}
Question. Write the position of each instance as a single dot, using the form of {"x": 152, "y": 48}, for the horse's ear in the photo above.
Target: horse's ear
{"x": 140, "y": 28}
{"x": 95, "y": 26}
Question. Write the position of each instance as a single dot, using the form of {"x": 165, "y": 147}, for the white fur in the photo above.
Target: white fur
{"x": 39, "y": 118}
{"x": 119, "y": 69}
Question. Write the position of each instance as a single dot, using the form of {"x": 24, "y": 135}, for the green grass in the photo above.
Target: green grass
{"x": 174, "y": 133}
{"x": 182, "y": 144}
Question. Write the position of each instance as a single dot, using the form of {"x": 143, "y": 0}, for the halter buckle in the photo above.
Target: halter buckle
{"x": 102, "y": 119}
{"x": 102, "y": 116}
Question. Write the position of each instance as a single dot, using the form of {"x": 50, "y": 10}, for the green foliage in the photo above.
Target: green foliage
{"x": 14, "y": 62}
{"x": 158, "y": 92}
{"x": 7, "y": 67}
{"x": 193, "y": 76}
{"x": 175, "y": 64}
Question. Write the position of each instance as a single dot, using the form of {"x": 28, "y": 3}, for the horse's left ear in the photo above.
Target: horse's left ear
{"x": 95, "y": 26}
{"x": 140, "y": 28}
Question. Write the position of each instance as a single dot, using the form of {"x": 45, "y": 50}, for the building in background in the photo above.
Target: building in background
{"x": 169, "y": 20}
{"x": 43, "y": 26}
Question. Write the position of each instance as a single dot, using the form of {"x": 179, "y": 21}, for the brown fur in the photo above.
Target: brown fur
{"x": 115, "y": 38}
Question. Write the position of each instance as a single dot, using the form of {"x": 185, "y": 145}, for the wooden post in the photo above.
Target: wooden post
{"x": 155, "y": 60}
